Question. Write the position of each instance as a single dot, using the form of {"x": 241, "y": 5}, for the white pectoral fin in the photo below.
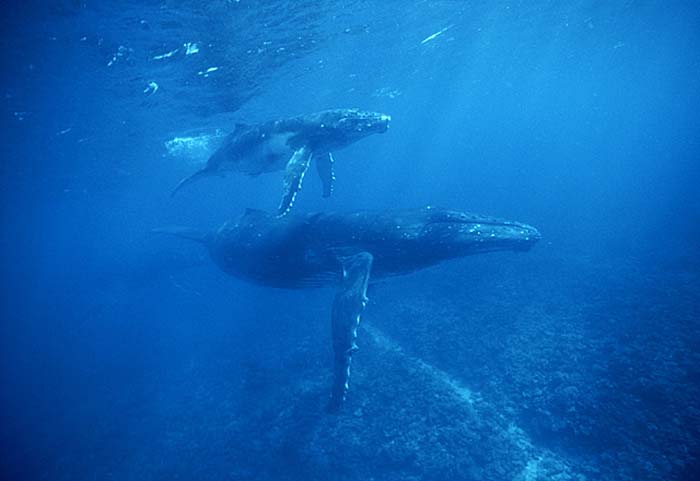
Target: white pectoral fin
{"x": 324, "y": 167}
{"x": 293, "y": 177}
{"x": 348, "y": 305}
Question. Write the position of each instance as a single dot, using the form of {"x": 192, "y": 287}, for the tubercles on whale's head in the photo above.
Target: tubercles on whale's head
{"x": 496, "y": 235}
{"x": 362, "y": 121}
{"x": 464, "y": 234}
{"x": 354, "y": 124}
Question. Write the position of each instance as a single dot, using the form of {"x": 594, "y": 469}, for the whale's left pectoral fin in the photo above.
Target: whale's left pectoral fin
{"x": 325, "y": 168}
{"x": 293, "y": 177}
{"x": 348, "y": 305}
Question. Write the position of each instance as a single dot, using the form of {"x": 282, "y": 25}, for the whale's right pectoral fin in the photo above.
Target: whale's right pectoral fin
{"x": 348, "y": 305}
{"x": 293, "y": 177}
{"x": 324, "y": 166}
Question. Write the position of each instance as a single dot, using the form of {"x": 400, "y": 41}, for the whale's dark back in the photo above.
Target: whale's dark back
{"x": 304, "y": 251}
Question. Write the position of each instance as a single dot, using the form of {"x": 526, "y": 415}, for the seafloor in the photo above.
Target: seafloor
{"x": 524, "y": 367}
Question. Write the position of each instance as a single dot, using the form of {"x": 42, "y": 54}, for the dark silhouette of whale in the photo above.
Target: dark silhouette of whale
{"x": 331, "y": 249}
{"x": 289, "y": 145}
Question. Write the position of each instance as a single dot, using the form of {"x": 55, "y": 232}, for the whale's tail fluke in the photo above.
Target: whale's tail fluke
{"x": 190, "y": 179}
{"x": 185, "y": 233}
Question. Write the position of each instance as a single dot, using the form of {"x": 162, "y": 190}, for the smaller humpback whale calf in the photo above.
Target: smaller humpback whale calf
{"x": 289, "y": 145}
{"x": 343, "y": 250}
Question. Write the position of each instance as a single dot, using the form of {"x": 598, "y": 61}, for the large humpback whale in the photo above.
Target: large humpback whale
{"x": 289, "y": 145}
{"x": 343, "y": 250}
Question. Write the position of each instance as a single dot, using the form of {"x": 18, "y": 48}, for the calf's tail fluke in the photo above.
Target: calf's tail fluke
{"x": 184, "y": 232}
{"x": 188, "y": 180}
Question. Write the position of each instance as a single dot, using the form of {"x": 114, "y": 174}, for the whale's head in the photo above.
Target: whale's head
{"x": 362, "y": 122}
{"x": 455, "y": 234}
{"x": 485, "y": 234}
{"x": 506, "y": 235}
{"x": 341, "y": 127}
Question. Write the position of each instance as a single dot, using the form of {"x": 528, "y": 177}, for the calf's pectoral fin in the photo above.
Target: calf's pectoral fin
{"x": 293, "y": 177}
{"x": 350, "y": 301}
{"x": 324, "y": 167}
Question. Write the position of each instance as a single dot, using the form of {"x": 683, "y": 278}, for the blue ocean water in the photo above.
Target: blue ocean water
{"x": 130, "y": 356}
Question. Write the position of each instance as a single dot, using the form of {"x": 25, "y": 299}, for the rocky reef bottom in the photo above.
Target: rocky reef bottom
{"x": 523, "y": 368}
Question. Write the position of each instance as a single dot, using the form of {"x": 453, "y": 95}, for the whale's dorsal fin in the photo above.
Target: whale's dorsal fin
{"x": 293, "y": 177}
{"x": 349, "y": 303}
{"x": 324, "y": 167}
